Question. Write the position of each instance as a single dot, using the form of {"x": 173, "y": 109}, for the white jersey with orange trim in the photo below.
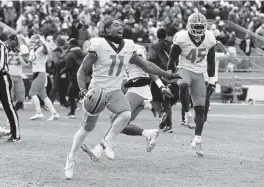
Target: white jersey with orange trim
{"x": 112, "y": 60}
{"x": 192, "y": 57}
{"x": 38, "y": 59}
{"x": 134, "y": 71}
{"x": 14, "y": 63}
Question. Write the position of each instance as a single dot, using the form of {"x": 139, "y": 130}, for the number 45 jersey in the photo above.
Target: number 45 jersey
{"x": 192, "y": 57}
{"x": 112, "y": 59}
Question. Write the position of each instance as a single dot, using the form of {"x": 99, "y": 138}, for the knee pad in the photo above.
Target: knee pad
{"x": 199, "y": 110}
{"x": 89, "y": 122}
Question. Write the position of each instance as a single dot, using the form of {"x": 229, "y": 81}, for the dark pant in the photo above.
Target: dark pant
{"x": 161, "y": 104}
{"x": 60, "y": 86}
{"x": 73, "y": 91}
{"x": 6, "y": 100}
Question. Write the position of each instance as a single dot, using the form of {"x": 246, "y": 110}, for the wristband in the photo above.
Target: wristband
{"x": 159, "y": 83}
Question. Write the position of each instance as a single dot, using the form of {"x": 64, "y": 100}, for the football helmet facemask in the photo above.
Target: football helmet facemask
{"x": 197, "y": 24}
{"x": 35, "y": 41}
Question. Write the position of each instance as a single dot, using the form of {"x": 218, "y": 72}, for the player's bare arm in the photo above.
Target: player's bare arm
{"x": 150, "y": 67}
{"x": 85, "y": 69}
{"x": 174, "y": 57}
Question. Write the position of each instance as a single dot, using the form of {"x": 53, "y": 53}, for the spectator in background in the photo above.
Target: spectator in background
{"x": 93, "y": 30}
{"x": 60, "y": 82}
{"x": 73, "y": 60}
{"x": 83, "y": 34}
{"x": 159, "y": 54}
{"x": 246, "y": 45}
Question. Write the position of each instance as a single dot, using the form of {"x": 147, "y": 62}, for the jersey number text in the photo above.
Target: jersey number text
{"x": 192, "y": 55}
{"x": 119, "y": 68}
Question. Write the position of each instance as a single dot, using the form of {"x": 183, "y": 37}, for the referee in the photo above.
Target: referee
{"x": 5, "y": 95}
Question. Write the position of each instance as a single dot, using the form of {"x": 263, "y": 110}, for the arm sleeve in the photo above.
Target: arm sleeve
{"x": 174, "y": 57}
{"x": 211, "y": 62}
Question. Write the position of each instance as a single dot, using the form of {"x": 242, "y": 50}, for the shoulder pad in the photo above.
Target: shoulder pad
{"x": 179, "y": 37}
{"x": 211, "y": 37}
{"x": 95, "y": 44}
{"x": 24, "y": 49}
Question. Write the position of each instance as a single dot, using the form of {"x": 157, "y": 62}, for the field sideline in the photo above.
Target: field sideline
{"x": 233, "y": 146}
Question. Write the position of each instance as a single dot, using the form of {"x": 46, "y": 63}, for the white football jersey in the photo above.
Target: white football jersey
{"x": 39, "y": 60}
{"x": 193, "y": 58}
{"x": 134, "y": 71}
{"x": 109, "y": 69}
{"x": 14, "y": 63}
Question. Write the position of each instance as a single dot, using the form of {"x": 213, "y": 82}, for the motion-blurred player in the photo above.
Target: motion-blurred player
{"x": 38, "y": 56}
{"x": 17, "y": 54}
{"x": 108, "y": 57}
{"x": 193, "y": 51}
{"x": 137, "y": 94}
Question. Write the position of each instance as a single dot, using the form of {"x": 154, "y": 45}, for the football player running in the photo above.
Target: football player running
{"x": 193, "y": 51}
{"x": 18, "y": 55}
{"x": 38, "y": 56}
{"x": 108, "y": 58}
{"x": 138, "y": 92}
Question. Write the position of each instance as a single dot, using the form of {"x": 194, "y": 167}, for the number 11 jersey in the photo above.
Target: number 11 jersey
{"x": 109, "y": 69}
{"x": 193, "y": 57}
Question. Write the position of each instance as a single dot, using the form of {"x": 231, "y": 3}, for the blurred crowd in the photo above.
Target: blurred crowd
{"x": 58, "y": 21}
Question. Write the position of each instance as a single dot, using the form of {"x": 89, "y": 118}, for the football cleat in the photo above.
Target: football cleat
{"x": 53, "y": 117}
{"x": 69, "y": 168}
{"x": 184, "y": 123}
{"x": 95, "y": 153}
{"x": 108, "y": 149}
{"x": 197, "y": 145}
{"x": 190, "y": 122}
{"x": 151, "y": 138}
{"x": 37, "y": 116}
{"x": 12, "y": 139}
{"x": 168, "y": 128}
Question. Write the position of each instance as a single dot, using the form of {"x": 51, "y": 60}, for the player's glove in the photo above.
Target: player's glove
{"x": 137, "y": 82}
{"x": 166, "y": 92}
{"x": 210, "y": 89}
{"x": 82, "y": 93}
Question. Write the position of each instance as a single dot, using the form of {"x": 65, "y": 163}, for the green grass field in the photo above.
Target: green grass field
{"x": 233, "y": 147}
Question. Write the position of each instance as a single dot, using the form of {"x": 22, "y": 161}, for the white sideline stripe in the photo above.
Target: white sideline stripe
{"x": 240, "y": 116}
{"x": 246, "y": 78}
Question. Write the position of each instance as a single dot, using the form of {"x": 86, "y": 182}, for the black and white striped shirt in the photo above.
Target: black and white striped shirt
{"x": 3, "y": 57}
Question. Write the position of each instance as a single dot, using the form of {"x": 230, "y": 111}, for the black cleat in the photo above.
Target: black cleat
{"x": 12, "y": 139}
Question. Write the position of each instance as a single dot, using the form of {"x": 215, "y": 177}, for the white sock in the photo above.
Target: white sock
{"x": 145, "y": 133}
{"x": 78, "y": 140}
{"x": 198, "y": 139}
{"x": 36, "y": 104}
{"x": 118, "y": 125}
{"x": 188, "y": 114}
{"x": 50, "y": 106}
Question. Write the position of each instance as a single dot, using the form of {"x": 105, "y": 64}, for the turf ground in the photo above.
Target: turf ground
{"x": 233, "y": 146}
